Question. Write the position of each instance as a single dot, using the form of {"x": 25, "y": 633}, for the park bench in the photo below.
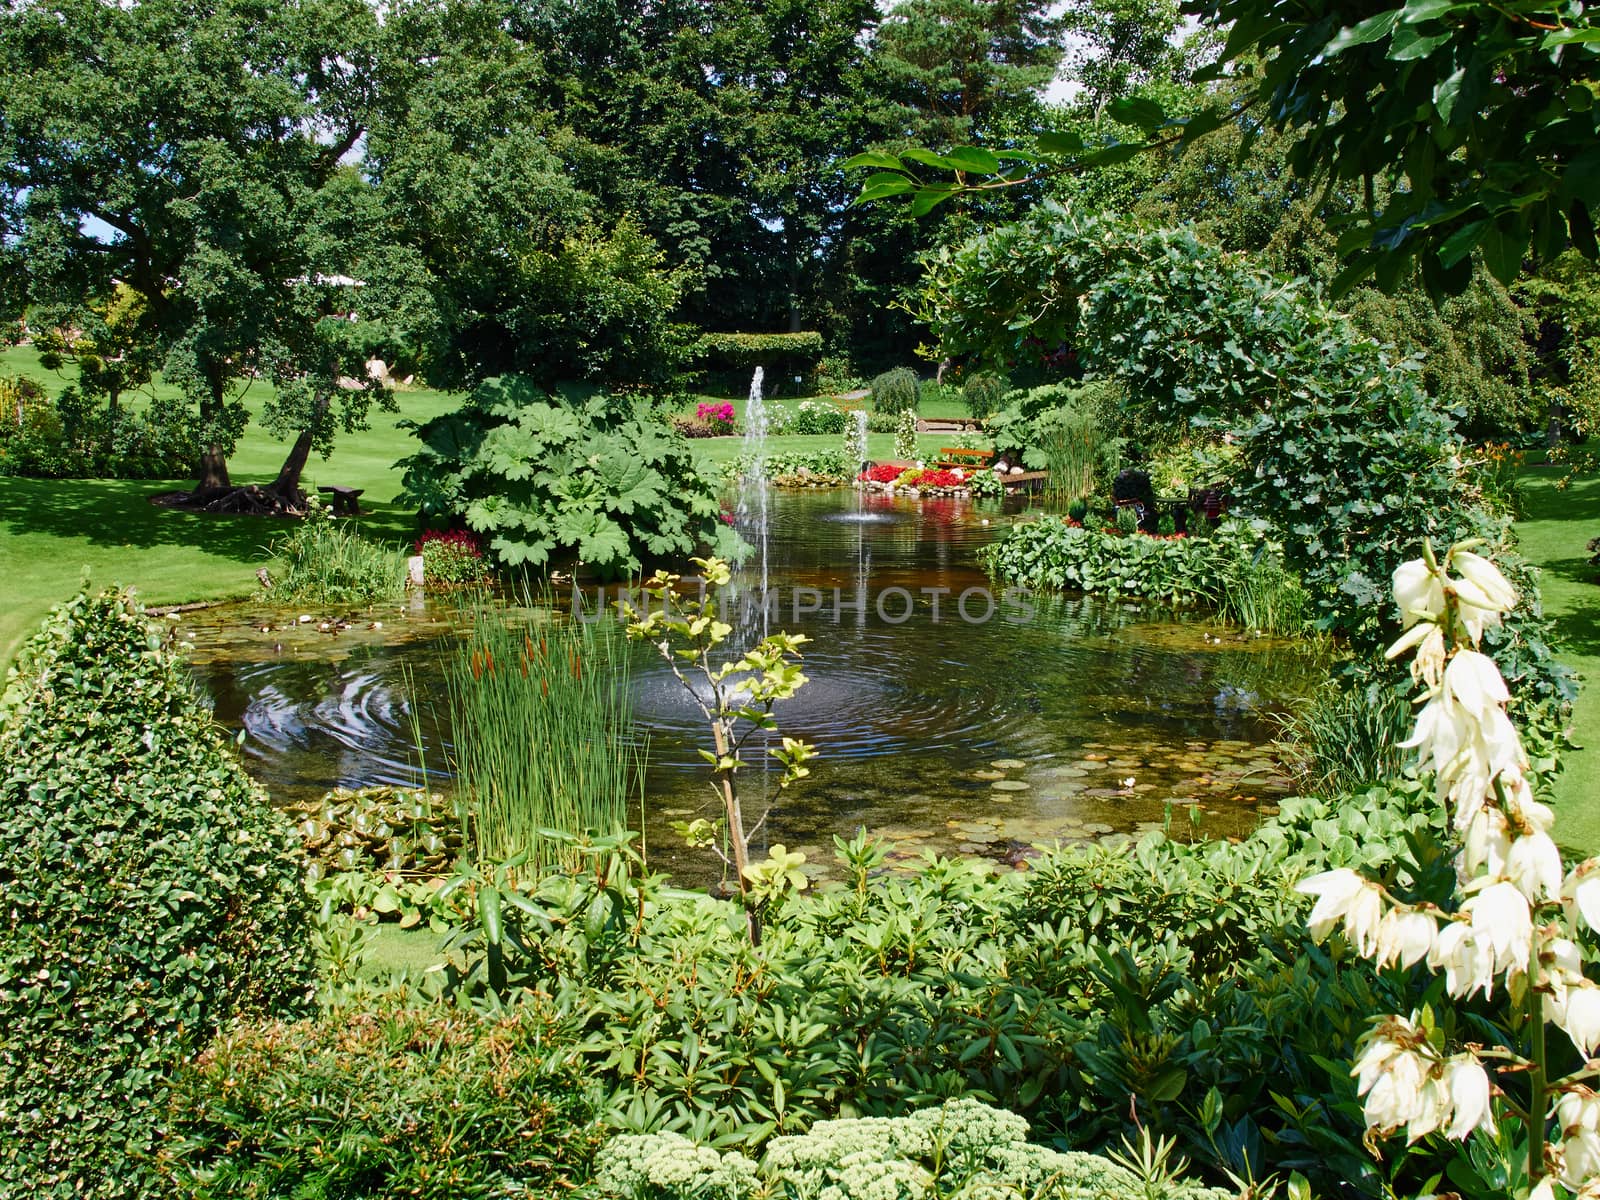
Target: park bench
{"x": 956, "y": 456}
{"x": 345, "y": 500}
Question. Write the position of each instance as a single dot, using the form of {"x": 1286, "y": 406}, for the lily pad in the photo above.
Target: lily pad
{"x": 1010, "y": 785}
{"x": 1008, "y": 764}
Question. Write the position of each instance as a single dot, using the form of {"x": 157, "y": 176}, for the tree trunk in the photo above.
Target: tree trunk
{"x": 213, "y": 470}
{"x": 213, "y": 460}
{"x": 113, "y": 403}
{"x": 286, "y": 487}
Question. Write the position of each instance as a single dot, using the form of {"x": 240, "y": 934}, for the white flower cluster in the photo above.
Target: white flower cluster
{"x": 1507, "y": 928}
{"x": 960, "y": 1147}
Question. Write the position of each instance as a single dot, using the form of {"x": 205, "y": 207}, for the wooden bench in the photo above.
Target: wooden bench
{"x": 345, "y": 500}
{"x": 955, "y": 456}
{"x": 949, "y": 425}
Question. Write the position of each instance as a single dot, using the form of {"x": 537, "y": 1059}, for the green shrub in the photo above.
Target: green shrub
{"x": 393, "y": 1103}
{"x": 325, "y": 561}
{"x": 541, "y": 476}
{"x": 962, "y": 1147}
{"x": 814, "y": 417}
{"x": 729, "y": 359}
{"x": 984, "y": 392}
{"x": 72, "y": 437}
{"x": 895, "y": 391}
{"x": 451, "y": 557}
{"x": 1050, "y": 553}
{"x": 151, "y": 896}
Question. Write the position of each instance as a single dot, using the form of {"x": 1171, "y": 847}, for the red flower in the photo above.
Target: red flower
{"x": 463, "y": 541}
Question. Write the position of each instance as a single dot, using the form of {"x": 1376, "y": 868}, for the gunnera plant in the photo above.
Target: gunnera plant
{"x": 895, "y": 391}
{"x": 151, "y": 896}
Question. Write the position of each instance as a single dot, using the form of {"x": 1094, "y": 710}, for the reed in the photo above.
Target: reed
{"x": 1349, "y": 737}
{"x": 1068, "y": 439}
{"x": 542, "y": 730}
{"x": 1260, "y": 593}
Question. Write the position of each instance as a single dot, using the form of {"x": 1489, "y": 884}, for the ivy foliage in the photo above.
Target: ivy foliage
{"x": 542, "y": 475}
{"x": 151, "y": 896}
{"x": 1344, "y": 451}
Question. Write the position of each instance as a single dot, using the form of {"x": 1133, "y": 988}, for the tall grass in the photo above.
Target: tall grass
{"x": 1260, "y": 593}
{"x": 324, "y": 561}
{"x": 541, "y": 719}
{"x": 1349, "y": 736}
{"x": 1069, "y": 441}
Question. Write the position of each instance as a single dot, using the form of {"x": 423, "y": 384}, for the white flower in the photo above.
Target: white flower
{"x": 1502, "y": 922}
{"x": 1580, "y": 1016}
{"x": 1432, "y": 1108}
{"x": 1487, "y": 843}
{"x": 1468, "y": 967}
{"x": 1481, "y": 583}
{"x": 1406, "y": 936}
{"x": 1418, "y": 591}
{"x": 1469, "y": 1094}
{"x": 1534, "y": 866}
{"x": 1394, "y": 1086}
{"x": 1362, "y": 919}
{"x": 1475, "y": 682}
{"x": 1581, "y": 893}
{"x": 1578, "y": 1109}
{"x": 1580, "y": 1158}
{"x": 1544, "y": 1190}
{"x": 1334, "y": 891}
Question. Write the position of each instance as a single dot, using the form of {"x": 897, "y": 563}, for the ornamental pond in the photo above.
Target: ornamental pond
{"x": 950, "y": 715}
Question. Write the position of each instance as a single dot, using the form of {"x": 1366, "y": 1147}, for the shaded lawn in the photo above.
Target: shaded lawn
{"x": 51, "y": 529}
{"x": 1553, "y": 533}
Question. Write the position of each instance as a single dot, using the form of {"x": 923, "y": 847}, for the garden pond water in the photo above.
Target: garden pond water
{"x": 941, "y": 725}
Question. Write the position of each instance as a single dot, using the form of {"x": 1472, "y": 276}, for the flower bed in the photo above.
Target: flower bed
{"x": 891, "y": 477}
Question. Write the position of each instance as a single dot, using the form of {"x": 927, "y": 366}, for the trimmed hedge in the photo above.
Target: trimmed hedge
{"x": 724, "y": 357}
{"x": 151, "y": 895}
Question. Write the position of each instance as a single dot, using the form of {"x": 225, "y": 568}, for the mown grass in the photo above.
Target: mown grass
{"x": 1556, "y": 526}
{"x": 52, "y": 530}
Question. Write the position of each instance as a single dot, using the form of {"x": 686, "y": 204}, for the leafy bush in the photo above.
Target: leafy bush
{"x": 962, "y": 1147}
{"x": 451, "y": 557}
{"x": 326, "y": 561}
{"x": 1100, "y": 982}
{"x": 1057, "y": 428}
{"x": 729, "y": 359}
{"x": 542, "y": 476}
{"x": 792, "y": 464}
{"x": 73, "y": 438}
{"x": 696, "y": 427}
{"x": 391, "y": 1103}
{"x": 895, "y": 391}
{"x": 984, "y": 392}
{"x": 151, "y": 896}
{"x": 1050, "y": 553}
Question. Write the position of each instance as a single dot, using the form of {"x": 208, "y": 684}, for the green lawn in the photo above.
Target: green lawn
{"x": 1553, "y": 534}
{"x": 51, "y": 530}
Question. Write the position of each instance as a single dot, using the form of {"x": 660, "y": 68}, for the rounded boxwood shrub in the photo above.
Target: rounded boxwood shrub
{"x": 150, "y": 896}
{"x": 895, "y": 391}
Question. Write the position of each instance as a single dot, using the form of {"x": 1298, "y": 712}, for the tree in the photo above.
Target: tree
{"x": 1121, "y": 45}
{"x": 530, "y": 274}
{"x": 193, "y": 153}
{"x": 1470, "y": 129}
{"x": 112, "y": 347}
{"x": 959, "y": 62}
